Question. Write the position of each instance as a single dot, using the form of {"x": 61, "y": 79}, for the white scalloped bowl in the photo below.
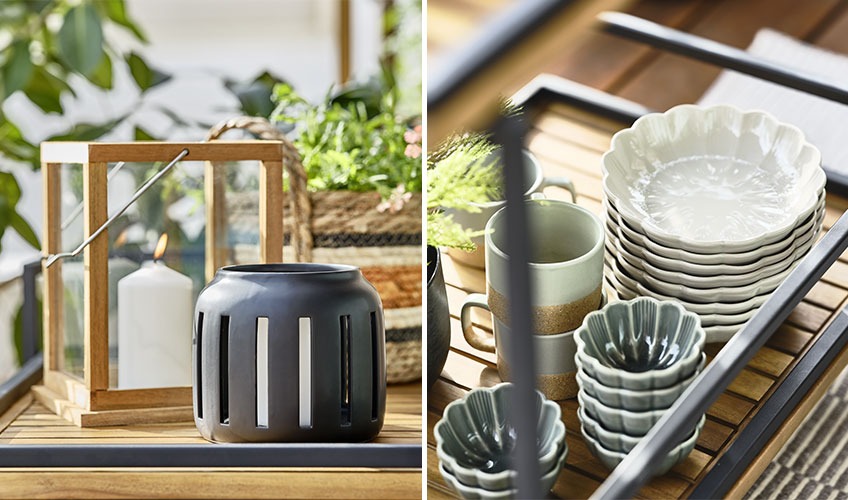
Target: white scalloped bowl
{"x": 640, "y": 344}
{"x": 714, "y": 333}
{"x": 474, "y": 443}
{"x": 615, "y": 245}
{"x": 663, "y": 267}
{"x": 705, "y": 264}
{"x": 708, "y": 319}
{"x": 758, "y": 178}
{"x": 620, "y": 277}
{"x": 718, "y": 293}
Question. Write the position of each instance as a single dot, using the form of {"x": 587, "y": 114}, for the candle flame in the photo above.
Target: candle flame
{"x": 160, "y": 247}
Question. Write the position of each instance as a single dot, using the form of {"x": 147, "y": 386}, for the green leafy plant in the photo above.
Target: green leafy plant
{"x": 38, "y": 59}
{"x": 457, "y": 177}
{"x": 343, "y": 146}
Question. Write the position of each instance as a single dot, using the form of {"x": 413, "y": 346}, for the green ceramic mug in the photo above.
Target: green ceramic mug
{"x": 566, "y": 274}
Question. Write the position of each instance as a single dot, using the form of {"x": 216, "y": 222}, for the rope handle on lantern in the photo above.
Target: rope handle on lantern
{"x": 51, "y": 259}
{"x": 300, "y": 204}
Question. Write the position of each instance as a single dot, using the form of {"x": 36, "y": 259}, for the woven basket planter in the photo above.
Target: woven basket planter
{"x": 344, "y": 227}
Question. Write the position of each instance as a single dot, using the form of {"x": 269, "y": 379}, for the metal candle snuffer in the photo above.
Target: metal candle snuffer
{"x": 280, "y": 352}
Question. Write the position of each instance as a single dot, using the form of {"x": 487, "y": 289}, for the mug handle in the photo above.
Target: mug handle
{"x": 478, "y": 340}
{"x": 561, "y": 182}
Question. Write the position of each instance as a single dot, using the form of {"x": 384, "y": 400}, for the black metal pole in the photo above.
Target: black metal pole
{"x": 15, "y": 388}
{"x": 509, "y": 132}
{"x": 633, "y": 471}
{"x": 709, "y": 51}
{"x": 29, "y": 316}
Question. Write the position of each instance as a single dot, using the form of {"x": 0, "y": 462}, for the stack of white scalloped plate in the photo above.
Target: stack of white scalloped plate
{"x": 712, "y": 207}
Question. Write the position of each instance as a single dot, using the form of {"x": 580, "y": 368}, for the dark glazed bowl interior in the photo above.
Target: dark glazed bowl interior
{"x": 641, "y": 335}
{"x": 478, "y": 437}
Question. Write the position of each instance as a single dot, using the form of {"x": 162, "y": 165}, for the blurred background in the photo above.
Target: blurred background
{"x": 116, "y": 70}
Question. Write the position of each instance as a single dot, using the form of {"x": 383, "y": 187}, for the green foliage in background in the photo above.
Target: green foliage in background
{"x": 343, "y": 146}
{"x": 457, "y": 176}
{"x": 361, "y": 138}
{"x": 37, "y": 59}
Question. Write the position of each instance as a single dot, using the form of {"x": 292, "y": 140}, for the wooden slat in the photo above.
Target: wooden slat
{"x": 714, "y": 435}
{"x": 789, "y": 339}
{"x": 52, "y": 244}
{"x": 750, "y": 385}
{"x": 33, "y": 423}
{"x": 118, "y": 399}
{"x": 96, "y": 258}
{"x": 808, "y": 316}
{"x": 770, "y": 361}
{"x": 271, "y": 211}
{"x": 250, "y": 483}
{"x": 150, "y": 151}
{"x": 766, "y": 360}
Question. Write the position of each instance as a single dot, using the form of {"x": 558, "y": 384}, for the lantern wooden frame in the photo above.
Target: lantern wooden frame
{"x": 89, "y": 402}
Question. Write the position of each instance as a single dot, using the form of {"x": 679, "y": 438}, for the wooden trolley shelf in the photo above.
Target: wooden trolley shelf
{"x": 569, "y": 142}
{"x": 28, "y": 422}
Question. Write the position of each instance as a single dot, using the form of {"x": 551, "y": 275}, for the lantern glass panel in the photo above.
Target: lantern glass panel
{"x": 240, "y": 235}
{"x": 71, "y": 270}
{"x": 174, "y": 206}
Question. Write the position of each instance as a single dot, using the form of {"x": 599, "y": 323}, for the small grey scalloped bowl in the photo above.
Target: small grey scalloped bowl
{"x": 640, "y": 344}
{"x": 546, "y": 482}
{"x": 633, "y": 400}
{"x": 615, "y": 441}
{"x": 611, "y": 459}
{"x": 632, "y": 423}
{"x": 474, "y": 443}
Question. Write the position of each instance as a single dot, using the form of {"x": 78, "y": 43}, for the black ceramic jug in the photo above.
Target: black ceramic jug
{"x": 289, "y": 352}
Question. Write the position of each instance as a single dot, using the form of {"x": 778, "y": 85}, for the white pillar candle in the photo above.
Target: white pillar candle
{"x": 154, "y": 328}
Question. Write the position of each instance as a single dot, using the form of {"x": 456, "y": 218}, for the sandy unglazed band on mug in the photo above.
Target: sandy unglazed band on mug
{"x": 557, "y": 386}
{"x": 549, "y": 320}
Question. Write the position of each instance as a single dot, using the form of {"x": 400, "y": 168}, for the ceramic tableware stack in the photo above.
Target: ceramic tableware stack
{"x": 712, "y": 207}
{"x": 634, "y": 359}
{"x": 475, "y": 444}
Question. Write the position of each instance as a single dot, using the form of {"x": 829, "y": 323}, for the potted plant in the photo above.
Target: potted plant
{"x": 457, "y": 178}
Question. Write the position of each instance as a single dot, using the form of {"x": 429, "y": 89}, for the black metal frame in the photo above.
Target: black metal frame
{"x": 635, "y": 470}
{"x": 384, "y": 456}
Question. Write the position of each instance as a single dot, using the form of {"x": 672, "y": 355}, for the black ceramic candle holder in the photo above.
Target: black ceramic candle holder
{"x": 289, "y": 352}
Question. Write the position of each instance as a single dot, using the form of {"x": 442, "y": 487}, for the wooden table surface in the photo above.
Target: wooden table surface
{"x": 28, "y": 422}
{"x": 569, "y": 142}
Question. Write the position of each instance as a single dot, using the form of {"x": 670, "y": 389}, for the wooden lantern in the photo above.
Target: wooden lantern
{"x": 89, "y": 402}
